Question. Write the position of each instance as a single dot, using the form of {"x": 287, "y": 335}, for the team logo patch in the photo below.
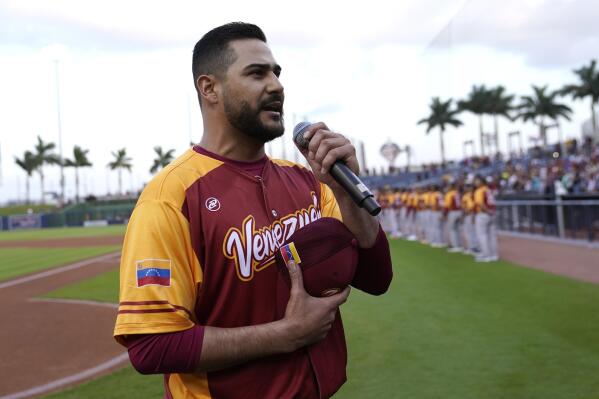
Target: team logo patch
{"x": 289, "y": 252}
{"x": 153, "y": 272}
{"x": 212, "y": 204}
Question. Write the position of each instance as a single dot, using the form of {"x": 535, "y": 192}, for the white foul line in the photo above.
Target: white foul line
{"x": 57, "y": 270}
{"x": 70, "y": 379}
{"x": 76, "y": 302}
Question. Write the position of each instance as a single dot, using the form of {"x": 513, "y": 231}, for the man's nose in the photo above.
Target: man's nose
{"x": 274, "y": 84}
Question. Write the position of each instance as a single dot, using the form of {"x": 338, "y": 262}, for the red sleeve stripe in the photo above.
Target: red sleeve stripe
{"x": 137, "y": 303}
{"x": 166, "y": 310}
{"x": 173, "y": 308}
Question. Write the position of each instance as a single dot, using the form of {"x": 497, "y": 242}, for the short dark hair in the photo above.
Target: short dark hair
{"x": 212, "y": 54}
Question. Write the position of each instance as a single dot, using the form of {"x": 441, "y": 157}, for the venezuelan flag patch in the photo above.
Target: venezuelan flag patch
{"x": 153, "y": 272}
{"x": 289, "y": 252}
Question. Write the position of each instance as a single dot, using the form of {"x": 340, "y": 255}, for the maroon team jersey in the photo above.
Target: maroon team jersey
{"x": 200, "y": 248}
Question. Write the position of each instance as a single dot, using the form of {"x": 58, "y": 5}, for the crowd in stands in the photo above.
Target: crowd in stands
{"x": 577, "y": 172}
{"x": 570, "y": 168}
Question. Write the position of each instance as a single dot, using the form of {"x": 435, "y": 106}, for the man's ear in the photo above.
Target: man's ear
{"x": 207, "y": 89}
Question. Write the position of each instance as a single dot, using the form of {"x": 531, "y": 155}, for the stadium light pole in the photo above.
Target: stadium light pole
{"x": 557, "y": 126}
{"x": 509, "y": 144}
{"x": 295, "y": 150}
{"x": 0, "y": 165}
{"x": 188, "y": 100}
{"x": 363, "y": 157}
{"x": 59, "y": 132}
{"x": 465, "y": 147}
{"x": 283, "y": 153}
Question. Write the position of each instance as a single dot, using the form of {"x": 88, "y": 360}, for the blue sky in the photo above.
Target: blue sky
{"x": 368, "y": 69}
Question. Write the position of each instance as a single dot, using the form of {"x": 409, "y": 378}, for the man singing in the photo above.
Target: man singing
{"x": 198, "y": 280}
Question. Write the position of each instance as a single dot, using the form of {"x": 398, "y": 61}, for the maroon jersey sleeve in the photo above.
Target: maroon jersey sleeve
{"x": 374, "y": 271}
{"x": 177, "y": 352}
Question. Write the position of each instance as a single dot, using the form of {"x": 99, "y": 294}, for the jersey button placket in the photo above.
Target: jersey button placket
{"x": 273, "y": 213}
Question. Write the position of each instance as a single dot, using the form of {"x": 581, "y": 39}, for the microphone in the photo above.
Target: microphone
{"x": 342, "y": 175}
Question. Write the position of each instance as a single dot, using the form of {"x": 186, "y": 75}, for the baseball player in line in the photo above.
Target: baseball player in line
{"x": 389, "y": 215}
{"x": 486, "y": 230}
{"x": 199, "y": 280}
{"x": 453, "y": 215}
{"x": 468, "y": 224}
{"x": 435, "y": 217}
{"x": 465, "y": 222}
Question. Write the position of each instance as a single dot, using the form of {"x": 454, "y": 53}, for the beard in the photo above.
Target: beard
{"x": 246, "y": 119}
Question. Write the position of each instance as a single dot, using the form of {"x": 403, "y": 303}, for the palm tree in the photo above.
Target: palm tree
{"x": 44, "y": 155}
{"x": 542, "y": 105}
{"x": 500, "y": 104}
{"x": 29, "y": 163}
{"x": 441, "y": 114}
{"x": 162, "y": 159}
{"x": 478, "y": 103}
{"x": 121, "y": 161}
{"x": 79, "y": 161}
{"x": 588, "y": 86}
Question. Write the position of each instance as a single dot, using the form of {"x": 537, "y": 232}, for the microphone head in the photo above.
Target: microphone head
{"x": 298, "y": 134}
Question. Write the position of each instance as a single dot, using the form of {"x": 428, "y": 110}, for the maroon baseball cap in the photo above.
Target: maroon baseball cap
{"x": 328, "y": 256}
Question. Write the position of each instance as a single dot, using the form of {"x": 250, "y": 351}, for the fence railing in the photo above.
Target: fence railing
{"x": 568, "y": 219}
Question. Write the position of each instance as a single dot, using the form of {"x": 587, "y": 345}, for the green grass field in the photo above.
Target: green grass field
{"x": 20, "y": 261}
{"x": 63, "y": 232}
{"x": 448, "y": 328}
{"x": 101, "y": 288}
{"x": 123, "y": 384}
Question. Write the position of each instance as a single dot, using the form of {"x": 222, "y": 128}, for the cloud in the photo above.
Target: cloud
{"x": 551, "y": 34}
{"x": 134, "y": 24}
{"x": 547, "y": 32}
{"x": 37, "y": 28}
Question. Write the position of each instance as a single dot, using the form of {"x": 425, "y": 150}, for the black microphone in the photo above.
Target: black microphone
{"x": 342, "y": 175}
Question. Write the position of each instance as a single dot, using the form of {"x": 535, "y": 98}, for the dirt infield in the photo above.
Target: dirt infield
{"x": 574, "y": 261}
{"x": 42, "y": 341}
{"x": 64, "y": 242}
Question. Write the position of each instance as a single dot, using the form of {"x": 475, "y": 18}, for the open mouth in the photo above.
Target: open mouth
{"x": 275, "y": 106}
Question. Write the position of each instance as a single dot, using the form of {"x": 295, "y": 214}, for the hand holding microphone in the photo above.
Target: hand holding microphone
{"x": 333, "y": 159}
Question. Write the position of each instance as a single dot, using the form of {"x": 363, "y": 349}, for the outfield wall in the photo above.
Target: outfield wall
{"x": 78, "y": 215}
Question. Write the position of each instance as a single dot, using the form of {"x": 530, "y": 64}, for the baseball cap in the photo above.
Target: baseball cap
{"x": 326, "y": 253}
